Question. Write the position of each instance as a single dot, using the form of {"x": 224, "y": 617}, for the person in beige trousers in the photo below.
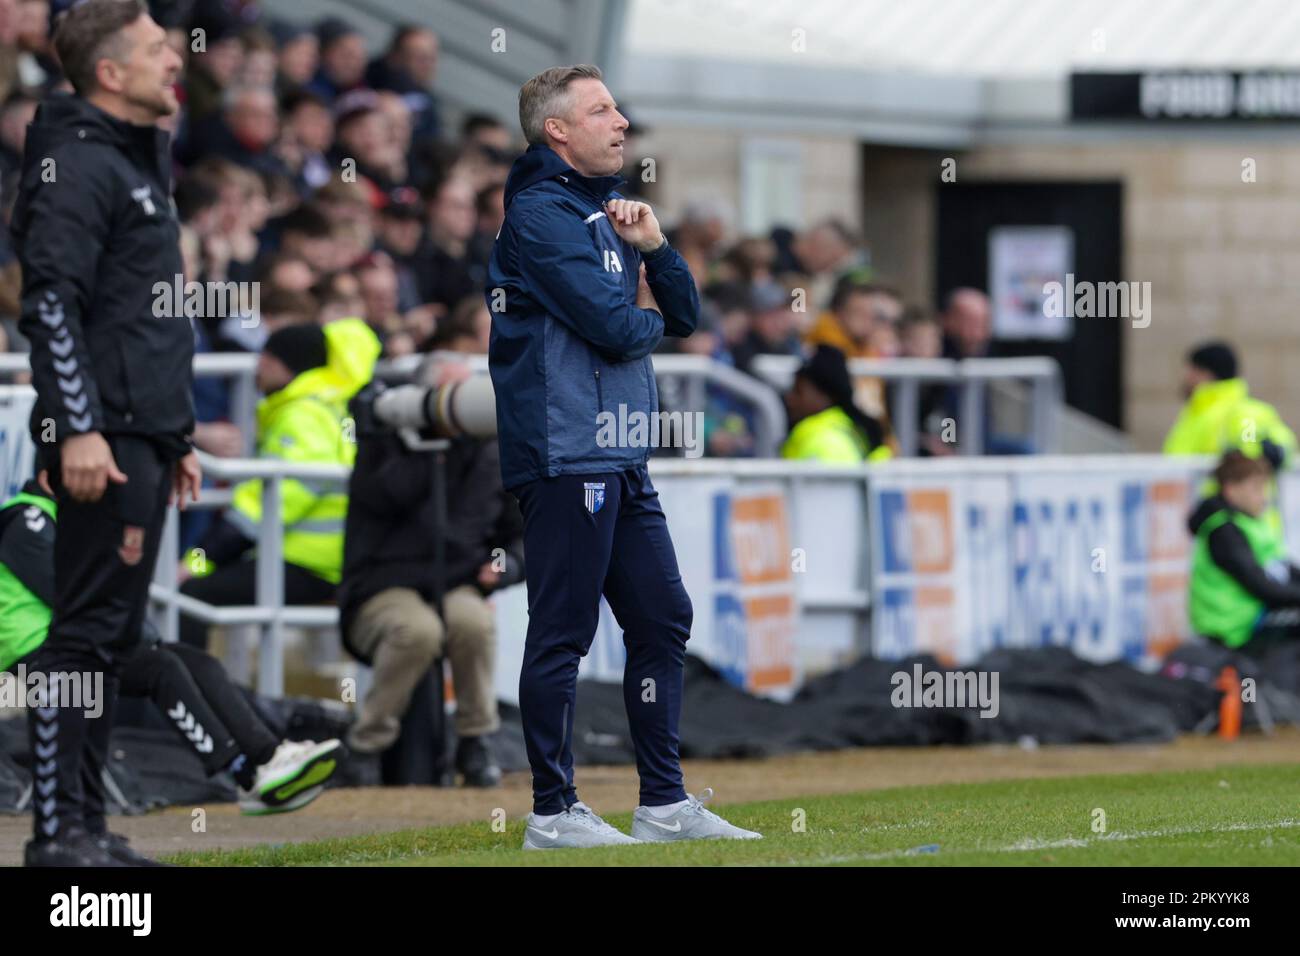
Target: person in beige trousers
{"x": 387, "y": 596}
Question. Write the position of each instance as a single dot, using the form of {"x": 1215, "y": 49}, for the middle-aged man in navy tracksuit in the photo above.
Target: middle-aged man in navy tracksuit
{"x": 582, "y": 286}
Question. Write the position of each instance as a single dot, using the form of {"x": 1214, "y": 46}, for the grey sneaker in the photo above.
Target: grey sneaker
{"x": 691, "y": 822}
{"x": 575, "y": 827}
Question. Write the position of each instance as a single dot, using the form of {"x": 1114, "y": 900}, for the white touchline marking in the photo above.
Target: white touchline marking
{"x": 1030, "y": 844}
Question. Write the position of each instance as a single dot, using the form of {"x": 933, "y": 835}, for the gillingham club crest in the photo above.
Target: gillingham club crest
{"x": 593, "y": 495}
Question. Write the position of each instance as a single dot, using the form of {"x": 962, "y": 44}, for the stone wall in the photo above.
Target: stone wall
{"x": 1222, "y": 255}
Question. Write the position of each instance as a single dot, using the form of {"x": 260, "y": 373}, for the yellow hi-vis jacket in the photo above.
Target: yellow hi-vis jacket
{"x": 1221, "y": 416}
{"x": 305, "y": 422}
{"x": 831, "y": 436}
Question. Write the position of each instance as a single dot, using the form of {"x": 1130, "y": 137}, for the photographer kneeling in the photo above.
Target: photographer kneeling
{"x": 387, "y": 598}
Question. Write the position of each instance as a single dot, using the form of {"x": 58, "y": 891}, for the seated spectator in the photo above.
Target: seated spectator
{"x": 398, "y": 116}
{"x": 230, "y": 244}
{"x": 750, "y": 261}
{"x": 298, "y": 56}
{"x": 378, "y": 279}
{"x": 409, "y": 68}
{"x": 968, "y": 334}
{"x": 967, "y": 324}
{"x": 772, "y": 327}
{"x": 825, "y": 254}
{"x": 212, "y": 70}
{"x": 1243, "y": 593}
{"x": 260, "y": 59}
{"x": 857, "y": 311}
{"x": 733, "y": 301}
{"x": 307, "y": 374}
{"x": 306, "y": 136}
{"x": 198, "y": 203}
{"x": 350, "y": 208}
{"x": 342, "y": 59}
{"x": 478, "y": 167}
{"x": 339, "y": 296}
{"x": 286, "y": 272}
{"x": 398, "y": 231}
{"x": 884, "y": 341}
{"x": 276, "y": 308}
{"x": 244, "y": 132}
{"x": 860, "y": 314}
{"x": 282, "y": 198}
{"x": 364, "y": 137}
{"x": 489, "y": 135}
{"x": 490, "y": 207}
{"x": 919, "y": 337}
{"x": 448, "y": 275}
{"x": 466, "y": 330}
{"x": 728, "y": 424}
{"x": 825, "y": 424}
{"x": 308, "y": 235}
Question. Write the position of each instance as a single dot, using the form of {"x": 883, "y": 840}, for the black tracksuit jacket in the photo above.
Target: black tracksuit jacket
{"x": 95, "y": 231}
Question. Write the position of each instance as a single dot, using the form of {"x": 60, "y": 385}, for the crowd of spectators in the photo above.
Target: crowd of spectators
{"x": 335, "y": 180}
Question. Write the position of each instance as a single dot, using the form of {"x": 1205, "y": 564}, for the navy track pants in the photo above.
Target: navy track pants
{"x": 584, "y": 536}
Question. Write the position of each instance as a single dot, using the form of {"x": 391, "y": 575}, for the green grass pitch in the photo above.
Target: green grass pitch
{"x": 1238, "y": 816}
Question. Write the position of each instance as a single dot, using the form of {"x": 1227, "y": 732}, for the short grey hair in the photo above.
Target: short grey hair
{"x": 547, "y": 95}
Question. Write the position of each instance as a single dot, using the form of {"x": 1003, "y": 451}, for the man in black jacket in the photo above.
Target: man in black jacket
{"x": 95, "y": 232}
{"x": 387, "y": 595}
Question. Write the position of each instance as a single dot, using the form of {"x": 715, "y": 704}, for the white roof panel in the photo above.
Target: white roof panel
{"x": 981, "y": 38}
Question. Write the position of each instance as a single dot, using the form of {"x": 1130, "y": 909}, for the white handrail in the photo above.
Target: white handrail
{"x": 905, "y": 375}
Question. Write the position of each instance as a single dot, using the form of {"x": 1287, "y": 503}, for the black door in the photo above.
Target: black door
{"x": 1090, "y": 360}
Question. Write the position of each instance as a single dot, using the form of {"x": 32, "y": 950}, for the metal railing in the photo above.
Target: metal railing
{"x": 270, "y": 615}
{"x": 971, "y": 377}
{"x": 1077, "y": 433}
{"x": 690, "y": 376}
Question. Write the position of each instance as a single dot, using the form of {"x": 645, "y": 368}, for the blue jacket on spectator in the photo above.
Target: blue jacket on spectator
{"x": 568, "y": 340}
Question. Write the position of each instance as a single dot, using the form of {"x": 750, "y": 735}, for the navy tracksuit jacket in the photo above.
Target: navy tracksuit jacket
{"x": 569, "y": 342}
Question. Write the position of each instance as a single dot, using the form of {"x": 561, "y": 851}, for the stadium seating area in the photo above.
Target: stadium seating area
{"x": 331, "y": 175}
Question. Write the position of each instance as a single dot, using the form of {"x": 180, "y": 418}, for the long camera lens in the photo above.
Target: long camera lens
{"x": 454, "y": 409}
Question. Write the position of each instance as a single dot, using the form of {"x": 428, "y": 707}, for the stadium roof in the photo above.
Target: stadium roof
{"x": 983, "y": 38}
{"x": 939, "y": 73}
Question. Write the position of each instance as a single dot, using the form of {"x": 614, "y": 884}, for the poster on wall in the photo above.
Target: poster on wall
{"x": 1022, "y": 260}
{"x": 755, "y": 609}
{"x": 941, "y": 552}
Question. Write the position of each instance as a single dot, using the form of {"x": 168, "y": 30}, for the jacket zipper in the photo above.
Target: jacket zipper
{"x": 600, "y": 396}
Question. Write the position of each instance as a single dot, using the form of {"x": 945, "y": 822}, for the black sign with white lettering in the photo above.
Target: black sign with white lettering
{"x": 1187, "y": 95}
